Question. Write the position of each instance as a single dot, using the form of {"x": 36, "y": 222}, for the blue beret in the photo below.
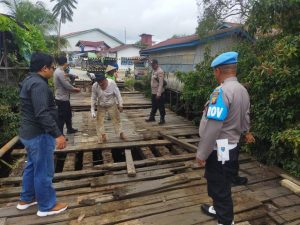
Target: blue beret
{"x": 225, "y": 58}
{"x": 99, "y": 76}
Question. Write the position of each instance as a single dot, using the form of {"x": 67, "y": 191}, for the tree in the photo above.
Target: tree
{"x": 274, "y": 15}
{"x": 213, "y": 12}
{"x": 36, "y": 14}
{"x": 64, "y": 11}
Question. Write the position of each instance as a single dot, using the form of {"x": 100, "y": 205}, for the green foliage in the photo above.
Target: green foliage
{"x": 9, "y": 116}
{"x": 129, "y": 84}
{"x": 280, "y": 15}
{"x": 27, "y": 39}
{"x": 270, "y": 71}
{"x": 36, "y": 14}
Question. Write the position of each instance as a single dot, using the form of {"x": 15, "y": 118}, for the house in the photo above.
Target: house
{"x": 125, "y": 54}
{"x": 92, "y": 46}
{"x": 183, "y": 53}
{"x": 92, "y": 35}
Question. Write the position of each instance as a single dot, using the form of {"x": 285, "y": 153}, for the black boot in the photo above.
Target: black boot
{"x": 237, "y": 181}
{"x": 162, "y": 121}
{"x": 150, "y": 119}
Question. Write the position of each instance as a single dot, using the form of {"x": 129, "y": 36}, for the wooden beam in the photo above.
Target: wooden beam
{"x": 8, "y": 145}
{"x": 291, "y": 186}
{"x": 149, "y": 186}
{"x": 189, "y": 147}
{"x": 130, "y": 164}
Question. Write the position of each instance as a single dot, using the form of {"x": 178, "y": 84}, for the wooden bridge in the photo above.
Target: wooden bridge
{"x": 151, "y": 178}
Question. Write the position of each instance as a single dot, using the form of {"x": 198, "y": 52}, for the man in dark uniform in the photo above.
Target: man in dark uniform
{"x": 225, "y": 118}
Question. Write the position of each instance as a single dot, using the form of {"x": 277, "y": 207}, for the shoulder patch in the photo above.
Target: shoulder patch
{"x": 217, "y": 110}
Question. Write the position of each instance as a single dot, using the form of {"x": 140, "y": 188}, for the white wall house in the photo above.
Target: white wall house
{"x": 95, "y": 35}
{"x": 124, "y": 53}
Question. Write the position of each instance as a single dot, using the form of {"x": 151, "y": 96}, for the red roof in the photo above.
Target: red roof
{"x": 94, "y": 44}
{"x": 176, "y": 40}
{"x": 121, "y": 47}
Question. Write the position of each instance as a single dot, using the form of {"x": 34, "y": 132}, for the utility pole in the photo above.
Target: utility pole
{"x": 125, "y": 35}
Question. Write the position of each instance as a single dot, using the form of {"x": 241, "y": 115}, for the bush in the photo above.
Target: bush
{"x": 9, "y": 113}
{"x": 270, "y": 71}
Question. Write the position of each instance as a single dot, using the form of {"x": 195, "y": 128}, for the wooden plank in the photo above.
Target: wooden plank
{"x": 162, "y": 150}
{"x": 130, "y": 164}
{"x": 8, "y": 145}
{"x": 87, "y": 161}
{"x": 287, "y": 200}
{"x": 112, "y": 145}
{"x": 146, "y": 162}
{"x": 189, "y": 147}
{"x": 57, "y": 176}
{"x": 3, "y": 221}
{"x": 291, "y": 186}
{"x": 107, "y": 156}
{"x": 146, "y": 152}
{"x": 151, "y": 186}
{"x": 108, "y": 207}
{"x": 128, "y": 144}
{"x": 187, "y": 215}
{"x": 66, "y": 185}
{"x": 123, "y": 178}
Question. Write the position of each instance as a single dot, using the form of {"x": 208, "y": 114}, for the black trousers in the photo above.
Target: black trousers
{"x": 219, "y": 178}
{"x": 158, "y": 104}
{"x": 64, "y": 114}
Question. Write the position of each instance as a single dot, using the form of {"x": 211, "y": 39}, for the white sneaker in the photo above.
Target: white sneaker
{"x": 58, "y": 208}
{"x": 25, "y": 205}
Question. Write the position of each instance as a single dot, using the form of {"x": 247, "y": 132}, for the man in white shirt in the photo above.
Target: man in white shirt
{"x": 105, "y": 92}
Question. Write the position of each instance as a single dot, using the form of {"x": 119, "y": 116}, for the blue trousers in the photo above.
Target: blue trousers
{"x": 39, "y": 171}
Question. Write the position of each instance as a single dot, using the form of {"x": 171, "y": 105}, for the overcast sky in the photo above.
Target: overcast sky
{"x": 162, "y": 18}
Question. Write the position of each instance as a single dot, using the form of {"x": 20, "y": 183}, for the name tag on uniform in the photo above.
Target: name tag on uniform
{"x": 217, "y": 110}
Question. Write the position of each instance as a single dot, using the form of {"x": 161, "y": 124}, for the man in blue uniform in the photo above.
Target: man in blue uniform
{"x": 225, "y": 118}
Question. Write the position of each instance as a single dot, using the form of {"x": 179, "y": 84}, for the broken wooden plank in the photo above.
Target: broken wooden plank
{"x": 130, "y": 164}
{"x": 123, "y": 178}
{"x": 189, "y": 147}
{"x": 149, "y": 186}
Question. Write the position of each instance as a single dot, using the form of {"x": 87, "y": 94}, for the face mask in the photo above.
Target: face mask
{"x": 67, "y": 70}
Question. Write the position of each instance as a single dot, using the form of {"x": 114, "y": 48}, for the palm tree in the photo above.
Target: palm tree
{"x": 36, "y": 14}
{"x": 63, "y": 10}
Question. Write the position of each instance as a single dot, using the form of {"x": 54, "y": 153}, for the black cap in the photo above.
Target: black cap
{"x": 99, "y": 76}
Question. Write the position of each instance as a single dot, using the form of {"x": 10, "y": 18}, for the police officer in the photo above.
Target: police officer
{"x": 225, "y": 118}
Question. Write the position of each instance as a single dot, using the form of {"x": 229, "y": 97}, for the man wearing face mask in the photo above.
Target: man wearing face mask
{"x": 63, "y": 88}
